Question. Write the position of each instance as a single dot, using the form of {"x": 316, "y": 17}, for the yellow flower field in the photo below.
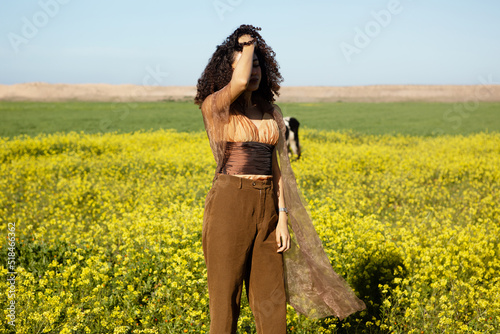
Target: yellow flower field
{"x": 105, "y": 231}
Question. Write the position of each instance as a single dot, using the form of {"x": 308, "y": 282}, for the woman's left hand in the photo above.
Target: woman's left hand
{"x": 282, "y": 235}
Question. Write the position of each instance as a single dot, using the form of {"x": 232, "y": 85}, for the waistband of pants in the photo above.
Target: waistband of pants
{"x": 244, "y": 183}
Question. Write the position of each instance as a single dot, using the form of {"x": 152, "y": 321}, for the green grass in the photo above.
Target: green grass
{"x": 412, "y": 118}
{"x": 31, "y": 118}
{"x": 409, "y": 118}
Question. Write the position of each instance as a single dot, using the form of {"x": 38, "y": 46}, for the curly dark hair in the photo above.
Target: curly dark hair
{"x": 219, "y": 71}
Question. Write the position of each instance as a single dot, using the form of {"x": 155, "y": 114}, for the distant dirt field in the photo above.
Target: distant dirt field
{"x": 44, "y": 92}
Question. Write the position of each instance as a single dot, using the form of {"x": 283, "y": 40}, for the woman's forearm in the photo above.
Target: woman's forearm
{"x": 243, "y": 69}
{"x": 278, "y": 182}
{"x": 282, "y": 235}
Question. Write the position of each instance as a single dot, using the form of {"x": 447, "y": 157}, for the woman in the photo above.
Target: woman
{"x": 245, "y": 227}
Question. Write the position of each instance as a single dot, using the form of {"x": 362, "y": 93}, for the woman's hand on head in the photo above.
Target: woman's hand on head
{"x": 245, "y": 38}
{"x": 282, "y": 235}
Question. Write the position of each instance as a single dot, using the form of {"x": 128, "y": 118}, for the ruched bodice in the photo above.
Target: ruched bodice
{"x": 248, "y": 158}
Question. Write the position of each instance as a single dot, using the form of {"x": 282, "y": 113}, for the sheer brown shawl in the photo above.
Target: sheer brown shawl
{"x": 313, "y": 288}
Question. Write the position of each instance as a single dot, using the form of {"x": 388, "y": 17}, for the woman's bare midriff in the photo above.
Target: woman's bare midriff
{"x": 253, "y": 177}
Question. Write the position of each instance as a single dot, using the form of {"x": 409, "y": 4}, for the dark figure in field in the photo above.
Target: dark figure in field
{"x": 292, "y": 135}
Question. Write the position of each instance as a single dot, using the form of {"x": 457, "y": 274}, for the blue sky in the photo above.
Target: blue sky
{"x": 317, "y": 43}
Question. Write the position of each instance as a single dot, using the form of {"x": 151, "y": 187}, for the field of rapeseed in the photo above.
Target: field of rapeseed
{"x": 107, "y": 231}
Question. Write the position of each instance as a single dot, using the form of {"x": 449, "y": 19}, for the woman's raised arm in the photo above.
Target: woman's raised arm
{"x": 242, "y": 68}
{"x": 216, "y": 105}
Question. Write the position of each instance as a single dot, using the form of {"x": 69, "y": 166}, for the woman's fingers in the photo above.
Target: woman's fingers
{"x": 283, "y": 240}
{"x": 282, "y": 235}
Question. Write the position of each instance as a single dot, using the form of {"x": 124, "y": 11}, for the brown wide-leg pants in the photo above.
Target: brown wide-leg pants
{"x": 239, "y": 245}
